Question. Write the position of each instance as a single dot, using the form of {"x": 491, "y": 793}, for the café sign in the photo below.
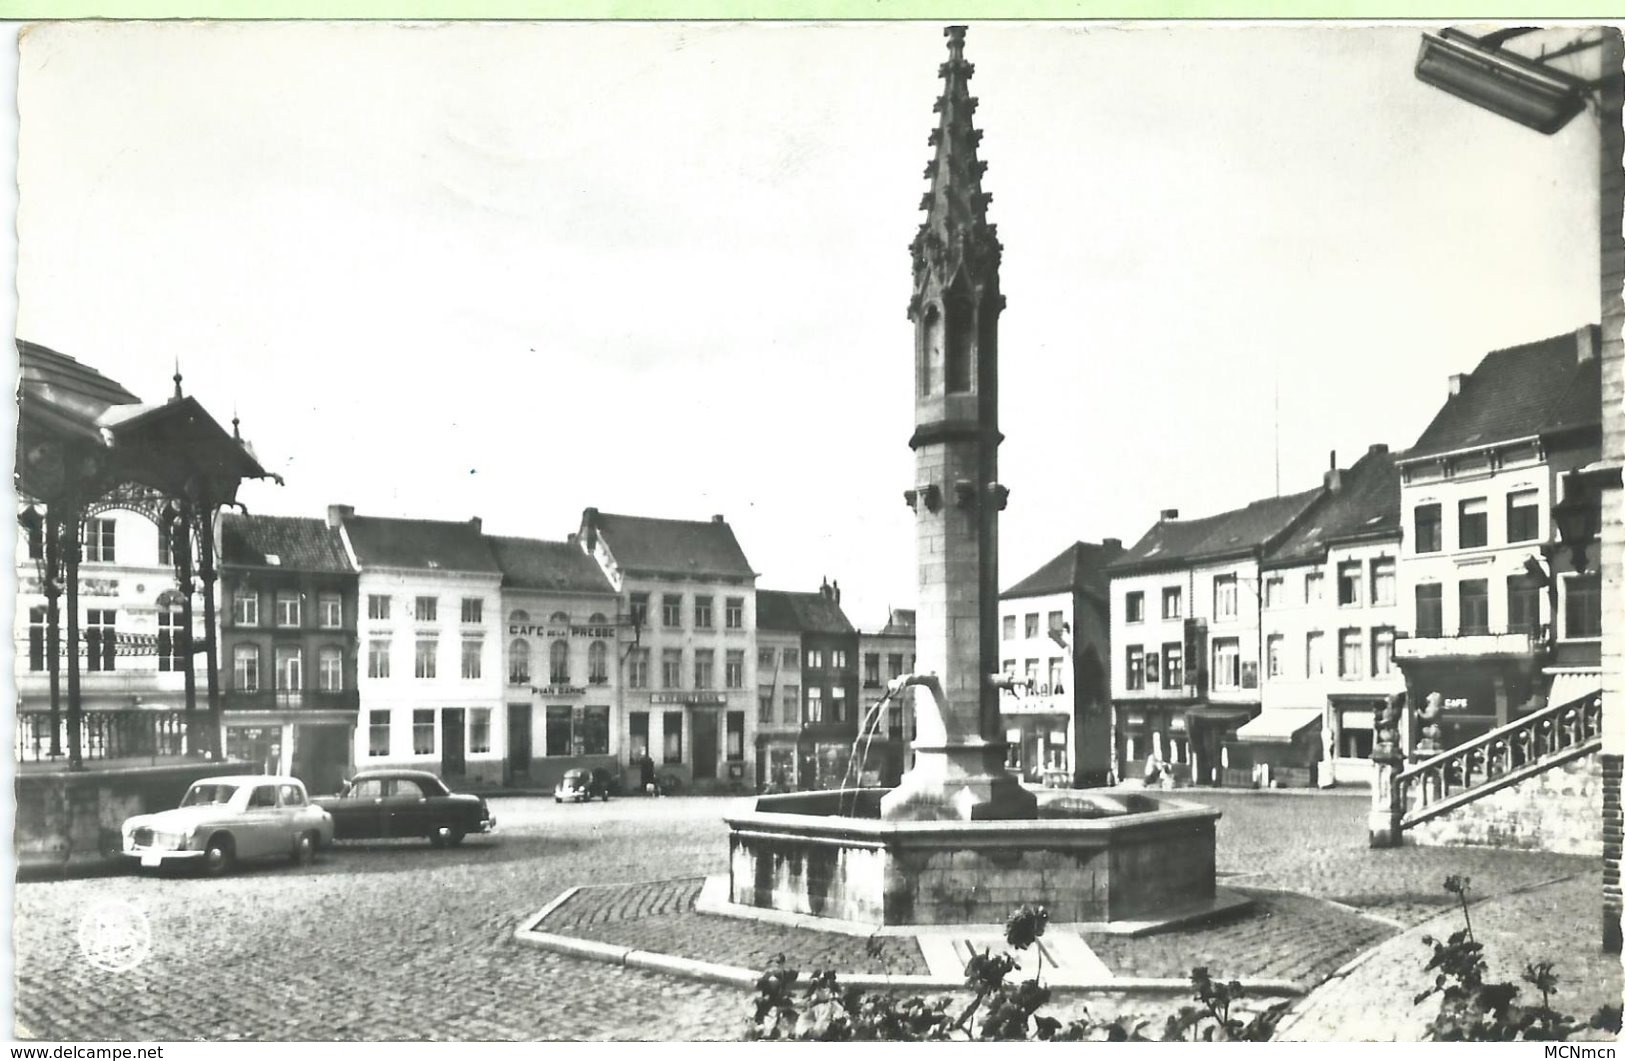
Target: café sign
{"x": 694, "y": 699}
{"x": 600, "y": 632}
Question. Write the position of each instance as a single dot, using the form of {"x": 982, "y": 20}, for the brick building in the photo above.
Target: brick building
{"x": 827, "y": 650}
{"x": 288, "y": 639}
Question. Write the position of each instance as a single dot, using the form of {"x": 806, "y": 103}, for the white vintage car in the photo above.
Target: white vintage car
{"x": 223, "y": 820}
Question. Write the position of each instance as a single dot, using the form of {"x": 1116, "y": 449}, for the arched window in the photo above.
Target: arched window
{"x": 519, "y": 615}
{"x": 597, "y": 663}
{"x": 597, "y": 619}
{"x": 519, "y": 663}
{"x": 559, "y": 663}
{"x": 559, "y": 618}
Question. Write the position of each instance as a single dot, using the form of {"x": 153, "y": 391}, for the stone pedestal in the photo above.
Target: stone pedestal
{"x": 1383, "y": 821}
{"x": 964, "y": 782}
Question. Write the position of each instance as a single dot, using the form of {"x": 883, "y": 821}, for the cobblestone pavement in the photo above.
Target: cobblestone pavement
{"x": 403, "y": 941}
{"x": 661, "y": 918}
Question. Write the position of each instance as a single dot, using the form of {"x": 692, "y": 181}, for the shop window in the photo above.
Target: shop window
{"x": 637, "y": 732}
{"x": 479, "y": 729}
{"x": 557, "y": 736}
{"x": 672, "y": 751}
{"x": 594, "y": 730}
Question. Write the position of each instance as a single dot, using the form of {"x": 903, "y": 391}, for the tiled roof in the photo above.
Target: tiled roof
{"x": 691, "y": 548}
{"x": 1366, "y": 505}
{"x": 808, "y": 613}
{"x": 1538, "y": 388}
{"x": 1079, "y": 567}
{"x": 420, "y": 543}
{"x": 1212, "y": 537}
{"x": 527, "y": 563}
{"x": 62, "y": 380}
{"x": 298, "y": 544}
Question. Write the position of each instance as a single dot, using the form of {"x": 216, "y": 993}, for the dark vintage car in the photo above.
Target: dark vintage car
{"x": 579, "y": 786}
{"x": 389, "y": 804}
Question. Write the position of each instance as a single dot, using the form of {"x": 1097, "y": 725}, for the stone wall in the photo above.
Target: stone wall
{"x": 1558, "y": 810}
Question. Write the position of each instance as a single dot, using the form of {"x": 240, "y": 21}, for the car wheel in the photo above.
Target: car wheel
{"x": 304, "y": 849}
{"x": 446, "y": 836}
{"x": 219, "y": 855}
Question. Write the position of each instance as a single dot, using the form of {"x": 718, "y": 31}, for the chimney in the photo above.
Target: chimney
{"x": 1334, "y": 480}
{"x": 1112, "y": 545}
{"x": 1457, "y": 382}
{"x": 1168, "y": 513}
{"x": 337, "y": 514}
{"x": 1585, "y": 343}
{"x": 718, "y": 519}
{"x": 572, "y": 538}
{"x": 477, "y": 524}
{"x": 589, "y": 521}
{"x": 835, "y": 588}
{"x": 1378, "y": 447}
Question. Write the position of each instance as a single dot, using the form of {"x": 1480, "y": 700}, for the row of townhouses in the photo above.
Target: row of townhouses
{"x": 1258, "y": 645}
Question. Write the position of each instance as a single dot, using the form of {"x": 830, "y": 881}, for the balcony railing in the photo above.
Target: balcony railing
{"x": 1501, "y": 757}
{"x": 105, "y": 735}
{"x": 290, "y": 700}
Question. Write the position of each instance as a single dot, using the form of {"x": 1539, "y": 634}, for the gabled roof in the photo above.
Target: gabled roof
{"x": 687, "y": 548}
{"x": 1080, "y": 568}
{"x": 1227, "y": 534}
{"x": 297, "y": 544}
{"x": 528, "y": 563}
{"x": 807, "y": 613}
{"x": 1539, "y": 388}
{"x": 420, "y": 543}
{"x": 1365, "y": 505}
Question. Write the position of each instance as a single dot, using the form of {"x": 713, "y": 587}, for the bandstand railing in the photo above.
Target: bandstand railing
{"x": 106, "y": 735}
{"x": 1522, "y": 748}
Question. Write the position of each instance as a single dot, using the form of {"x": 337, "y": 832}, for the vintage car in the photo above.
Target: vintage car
{"x": 389, "y": 804}
{"x": 224, "y": 820}
{"x": 580, "y": 785}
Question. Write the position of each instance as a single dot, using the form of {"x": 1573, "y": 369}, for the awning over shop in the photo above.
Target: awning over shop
{"x": 1569, "y": 687}
{"x": 1279, "y": 724}
{"x": 1219, "y": 712}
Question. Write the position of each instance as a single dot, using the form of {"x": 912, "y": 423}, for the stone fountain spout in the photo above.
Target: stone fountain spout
{"x": 958, "y": 773}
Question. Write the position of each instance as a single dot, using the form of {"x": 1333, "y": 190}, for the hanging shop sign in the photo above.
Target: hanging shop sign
{"x": 693, "y": 699}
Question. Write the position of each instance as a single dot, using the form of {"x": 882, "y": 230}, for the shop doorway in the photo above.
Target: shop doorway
{"x": 321, "y": 756}
{"x": 451, "y": 742}
{"x": 519, "y": 742}
{"x": 705, "y": 745}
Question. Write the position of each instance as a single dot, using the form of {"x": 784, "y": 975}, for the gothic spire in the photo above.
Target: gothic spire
{"x": 955, "y": 232}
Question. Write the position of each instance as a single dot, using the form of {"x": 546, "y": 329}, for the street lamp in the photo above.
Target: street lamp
{"x": 1524, "y": 90}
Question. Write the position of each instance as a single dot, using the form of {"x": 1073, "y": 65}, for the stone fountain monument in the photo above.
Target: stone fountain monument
{"x": 960, "y": 840}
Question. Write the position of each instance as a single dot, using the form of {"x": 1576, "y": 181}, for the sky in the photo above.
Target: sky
{"x": 660, "y": 268}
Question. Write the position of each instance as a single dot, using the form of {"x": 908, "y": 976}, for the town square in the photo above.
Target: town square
{"x": 558, "y": 549}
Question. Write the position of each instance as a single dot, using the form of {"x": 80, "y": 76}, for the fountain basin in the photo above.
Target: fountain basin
{"x": 1091, "y": 856}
